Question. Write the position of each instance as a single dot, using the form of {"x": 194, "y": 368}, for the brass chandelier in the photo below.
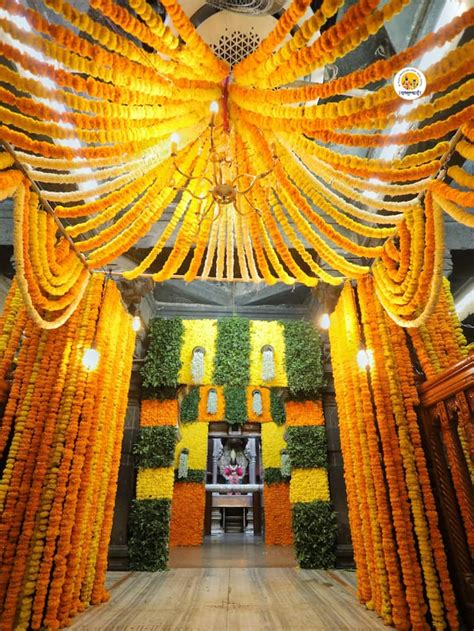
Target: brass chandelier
{"x": 221, "y": 191}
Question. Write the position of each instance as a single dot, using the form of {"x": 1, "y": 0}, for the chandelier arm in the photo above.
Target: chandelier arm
{"x": 192, "y": 177}
{"x": 260, "y": 176}
{"x": 186, "y": 190}
{"x": 204, "y": 214}
{"x": 257, "y": 210}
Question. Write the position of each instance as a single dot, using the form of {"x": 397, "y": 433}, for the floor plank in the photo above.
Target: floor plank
{"x": 230, "y": 599}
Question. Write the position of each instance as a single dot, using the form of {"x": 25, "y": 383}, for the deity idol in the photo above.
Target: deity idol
{"x": 233, "y": 472}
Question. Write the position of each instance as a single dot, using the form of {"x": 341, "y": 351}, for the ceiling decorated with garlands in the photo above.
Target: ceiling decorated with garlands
{"x": 116, "y": 118}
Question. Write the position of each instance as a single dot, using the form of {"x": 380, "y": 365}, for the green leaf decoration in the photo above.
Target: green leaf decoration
{"x": 235, "y": 405}
{"x": 303, "y": 356}
{"x": 161, "y": 394}
{"x": 188, "y": 412}
{"x": 163, "y": 361}
{"x": 155, "y": 446}
{"x": 149, "y": 534}
{"x": 314, "y": 529}
{"x": 277, "y": 408}
{"x": 274, "y": 476}
{"x": 194, "y": 475}
{"x": 232, "y": 359}
{"x": 307, "y": 447}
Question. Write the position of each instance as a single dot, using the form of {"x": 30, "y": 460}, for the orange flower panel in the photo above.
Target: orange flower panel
{"x": 304, "y": 413}
{"x": 155, "y": 412}
{"x": 203, "y": 414}
{"x": 265, "y": 416}
{"x": 278, "y": 530}
{"x": 187, "y": 514}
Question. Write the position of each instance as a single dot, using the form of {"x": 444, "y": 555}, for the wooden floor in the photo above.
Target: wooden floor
{"x": 230, "y": 599}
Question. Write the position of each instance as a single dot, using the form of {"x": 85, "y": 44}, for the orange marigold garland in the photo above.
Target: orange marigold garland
{"x": 187, "y": 514}
{"x": 278, "y": 529}
{"x": 159, "y": 412}
{"x": 304, "y": 413}
{"x": 54, "y": 487}
{"x": 122, "y": 103}
{"x": 411, "y": 547}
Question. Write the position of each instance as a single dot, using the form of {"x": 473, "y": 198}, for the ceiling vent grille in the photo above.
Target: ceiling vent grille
{"x": 254, "y": 7}
{"x": 234, "y": 46}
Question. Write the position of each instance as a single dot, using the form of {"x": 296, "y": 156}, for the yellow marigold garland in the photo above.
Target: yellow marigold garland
{"x": 267, "y": 334}
{"x": 272, "y": 443}
{"x": 203, "y": 334}
{"x": 153, "y": 484}
{"x": 193, "y": 436}
{"x": 65, "y": 511}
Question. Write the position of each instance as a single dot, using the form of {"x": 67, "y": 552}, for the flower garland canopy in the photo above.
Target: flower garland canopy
{"x": 93, "y": 105}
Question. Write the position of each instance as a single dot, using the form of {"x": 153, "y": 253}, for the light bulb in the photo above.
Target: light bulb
{"x": 174, "y": 142}
{"x": 136, "y": 323}
{"x": 90, "y": 359}
{"x": 325, "y": 321}
{"x": 214, "y": 107}
{"x": 365, "y": 359}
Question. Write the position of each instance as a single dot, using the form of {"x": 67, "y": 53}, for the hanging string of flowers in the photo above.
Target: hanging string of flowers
{"x": 57, "y": 503}
{"x": 120, "y": 87}
{"x": 398, "y": 542}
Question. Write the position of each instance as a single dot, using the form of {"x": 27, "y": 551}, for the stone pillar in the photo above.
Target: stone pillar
{"x": 251, "y": 453}
{"x": 217, "y": 451}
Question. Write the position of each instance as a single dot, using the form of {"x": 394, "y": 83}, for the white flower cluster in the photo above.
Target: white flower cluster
{"x": 285, "y": 466}
{"x": 268, "y": 365}
{"x": 197, "y": 365}
{"x": 257, "y": 406}
{"x": 183, "y": 464}
{"x": 212, "y": 402}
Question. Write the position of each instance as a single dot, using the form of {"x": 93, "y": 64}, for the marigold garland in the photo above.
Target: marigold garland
{"x": 193, "y": 436}
{"x": 155, "y": 484}
{"x": 267, "y": 334}
{"x": 54, "y": 560}
{"x": 122, "y": 101}
{"x": 202, "y": 334}
{"x": 278, "y": 530}
{"x": 272, "y": 444}
{"x": 155, "y": 412}
{"x": 187, "y": 514}
{"x": 308, "y": 485}
{"x": 304, "y": 413}
{"x": 410, "y": 555}
{"x": 203, "y": 410}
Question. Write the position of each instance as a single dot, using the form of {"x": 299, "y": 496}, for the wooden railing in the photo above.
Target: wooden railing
{"x": 447, "y": 419}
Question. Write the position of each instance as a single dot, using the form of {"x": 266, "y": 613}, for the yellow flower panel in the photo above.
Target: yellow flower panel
{"x": 156, "y": 412}
{"x": 193, "y": 438}
{"x": 304, "y": 413}
{"x": 272, "y": 444}
{"x": 265, "y": 416}
{"x": 155, "y": 484}
{"x": 203, "y": 414}
{"x": 272, "y": 334}
{"x": 309, "y": 485}
{"x": 198, "y": 333}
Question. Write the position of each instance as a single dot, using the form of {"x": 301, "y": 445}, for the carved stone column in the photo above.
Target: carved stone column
{"x": 216, "y": 513}
{"x": 251, "y": 453}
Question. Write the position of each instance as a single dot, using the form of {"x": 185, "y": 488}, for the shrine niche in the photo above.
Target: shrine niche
{"x": 233, "y": 497}
{"x": 232, "y": 380}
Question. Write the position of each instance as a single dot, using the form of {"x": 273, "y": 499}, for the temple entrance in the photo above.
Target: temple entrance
{"x": 234, "y": 482}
